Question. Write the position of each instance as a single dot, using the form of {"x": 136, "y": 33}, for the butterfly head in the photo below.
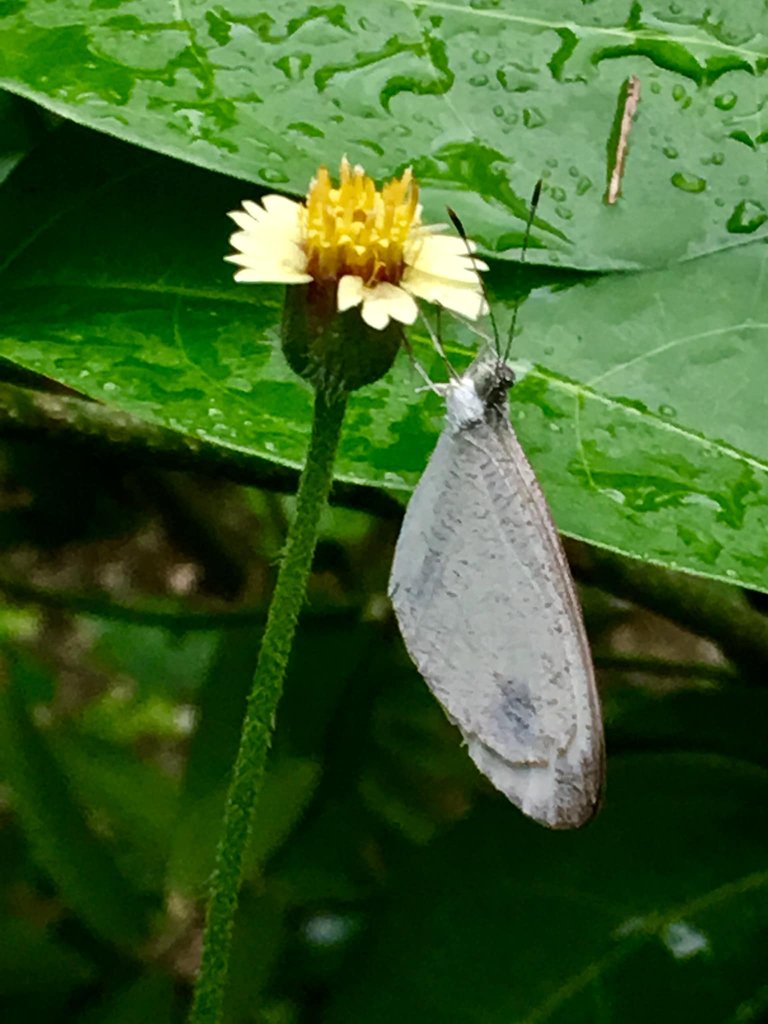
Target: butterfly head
{"x": 479, "y": 393}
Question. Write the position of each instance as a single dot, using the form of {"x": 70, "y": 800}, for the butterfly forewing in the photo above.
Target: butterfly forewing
{"x": 487, "y": 610}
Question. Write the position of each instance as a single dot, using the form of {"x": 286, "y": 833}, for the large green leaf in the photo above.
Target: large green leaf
{"x": 657, "y": 911}
{"x": 481, "y": 99}
{"x": 639, "y": 404}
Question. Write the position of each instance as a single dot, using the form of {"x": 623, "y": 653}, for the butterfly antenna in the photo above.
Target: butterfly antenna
{"x": 526, "y": 239}
{"x": 476, "y": 264}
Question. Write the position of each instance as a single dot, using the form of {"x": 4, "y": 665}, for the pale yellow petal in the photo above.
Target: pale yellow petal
{"x": 464, "y": 299}
{"x": 277, "y": 214}
{"x": 242, "y": 219}
{"x": 273, "y": 245}
{"x": 385, "y": 302}
{"x": 445, "y": 243}
{"x": 255, "y": 210}
{"x": 400, "y": 304}
{"x": 349, "y": 292}
{"x": 263, "y": 263}
{"x": 441, "y": 257}
{"x": 375, "y": 315}
{"x": 280, "y": 208}
{"x": 271, "y": 275}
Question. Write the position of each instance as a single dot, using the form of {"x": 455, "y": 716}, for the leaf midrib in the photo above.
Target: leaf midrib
{"x": 586, "y": 30}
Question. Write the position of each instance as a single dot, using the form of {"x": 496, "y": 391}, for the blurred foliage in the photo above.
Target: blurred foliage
{"x": 385, "y": 878}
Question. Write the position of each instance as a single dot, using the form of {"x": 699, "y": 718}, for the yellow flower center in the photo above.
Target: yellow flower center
{"x": 355, "y": 229}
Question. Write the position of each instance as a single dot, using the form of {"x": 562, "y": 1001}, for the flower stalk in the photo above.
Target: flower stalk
{"x": 248, "y": 773}
{"x": 355, "y": 258}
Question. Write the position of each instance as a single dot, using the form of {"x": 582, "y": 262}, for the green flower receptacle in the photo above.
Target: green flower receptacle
{"x": 334, "y": 351}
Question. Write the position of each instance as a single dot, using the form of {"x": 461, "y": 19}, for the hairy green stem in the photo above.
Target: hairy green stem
{"x": 259, "y": 723}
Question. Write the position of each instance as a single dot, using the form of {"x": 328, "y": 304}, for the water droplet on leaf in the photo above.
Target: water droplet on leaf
{"x": 273, "y": 175}
{"x": 726, "y": 101}
{"x": 747, "y": 216}
{"x": 688, "y": 182}
{"x": 533, "y": 118}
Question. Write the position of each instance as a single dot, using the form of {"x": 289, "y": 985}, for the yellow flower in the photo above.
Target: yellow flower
{"x": 369, "y": 244}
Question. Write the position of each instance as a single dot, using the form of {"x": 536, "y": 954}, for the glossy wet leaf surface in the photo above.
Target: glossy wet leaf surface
{"x": 639, "y": 396}
{"x": 653, "y": 912}
{"x": 481, "y": 99}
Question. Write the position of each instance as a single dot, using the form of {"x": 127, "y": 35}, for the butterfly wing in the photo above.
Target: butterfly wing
{"x": 488, "y": 612}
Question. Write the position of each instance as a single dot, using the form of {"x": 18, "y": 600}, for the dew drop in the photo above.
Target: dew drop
{"x": 551, "y": 162}
{"x": 678, "y": 93}
{"x": 688, "y": 182}
{"x": 110, "y": 386}
{"x": 667, "y": 410}
{"x": 481, "y": 57}
{"x": 747, "y": 216}
{"x": 533, "y": 118}
{"x": 294, "y": 65}
{"x": 739, "y": 135}
{"x": 563, "y": 212}
{"x": 574, "y": 172}
{"x": 311, "y": 131}
{"x": 480, "y": 81}
{"x": 498, "y": 110}
{"x": 583, "y": 185}
{"x": 273, "y": 175}
{"x": 726, "y": 101}
{"x": 743, "y": 179}
{"x": 656, "y": 88}
{"x": 557, "y": 193}
{"x": 670, "y": 152}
